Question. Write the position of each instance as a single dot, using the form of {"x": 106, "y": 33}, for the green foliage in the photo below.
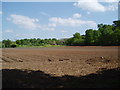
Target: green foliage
{"x": 89, "y": 37}
{"x": 69, "y": 41}
{"x": 33, "y": 43}
{"x": 105, "y": 35}
{"x": 7, "y": 43}
{"x": 76, "y": 40}
{"x": 116, "y": 23}
{"x": 13, "y": 45}
{"x": 0, "y": 44}
{"x": 77, "y": 35}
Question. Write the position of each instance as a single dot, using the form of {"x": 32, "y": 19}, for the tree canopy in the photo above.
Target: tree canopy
{"x": 106, "y": 35}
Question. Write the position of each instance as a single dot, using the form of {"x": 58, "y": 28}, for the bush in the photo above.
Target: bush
{"x": 13, "y": 46}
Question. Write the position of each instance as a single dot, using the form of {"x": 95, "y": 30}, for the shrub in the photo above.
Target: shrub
{"x": 13, "y": 45}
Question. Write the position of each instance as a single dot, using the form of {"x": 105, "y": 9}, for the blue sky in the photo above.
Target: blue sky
{"x": 54, "y": 19}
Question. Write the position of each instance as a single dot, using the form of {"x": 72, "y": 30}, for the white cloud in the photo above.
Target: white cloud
{"x": 1, "y": 12}
{"x": 71, "y": 22}
{"x": 8, "y": 31}
{"x": 52, "y": 25}
{"x": 110, "y": 1}
{"x": 96, "y": 6}
{"x": 77, "y": 15}
{"x": 63, "y": 31}
{"x": 90, "y": 5}
{"x": 24, "y": 21}
{"x": 29, "y": 23}
{"x": 34, "y": 24}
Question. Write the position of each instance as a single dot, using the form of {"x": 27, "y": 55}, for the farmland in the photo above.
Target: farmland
{"x": 58, "y": 62}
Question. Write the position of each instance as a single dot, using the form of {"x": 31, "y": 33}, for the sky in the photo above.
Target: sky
{"x": 54, "y": 19}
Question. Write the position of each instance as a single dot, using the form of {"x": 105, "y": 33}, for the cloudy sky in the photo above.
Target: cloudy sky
{"x": 54, "y": 19}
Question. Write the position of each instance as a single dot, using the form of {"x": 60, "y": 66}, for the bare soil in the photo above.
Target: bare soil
{"x": 60, "y": 61}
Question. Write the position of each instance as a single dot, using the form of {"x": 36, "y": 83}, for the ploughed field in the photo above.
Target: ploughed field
{"x": 58, "y": 62}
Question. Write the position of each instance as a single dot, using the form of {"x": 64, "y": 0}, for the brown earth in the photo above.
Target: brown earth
{"x": 58, "y": 62}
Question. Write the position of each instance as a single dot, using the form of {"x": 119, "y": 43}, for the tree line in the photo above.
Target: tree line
{"x": 32, "y": 42}
{"x": 106, "y": 35}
